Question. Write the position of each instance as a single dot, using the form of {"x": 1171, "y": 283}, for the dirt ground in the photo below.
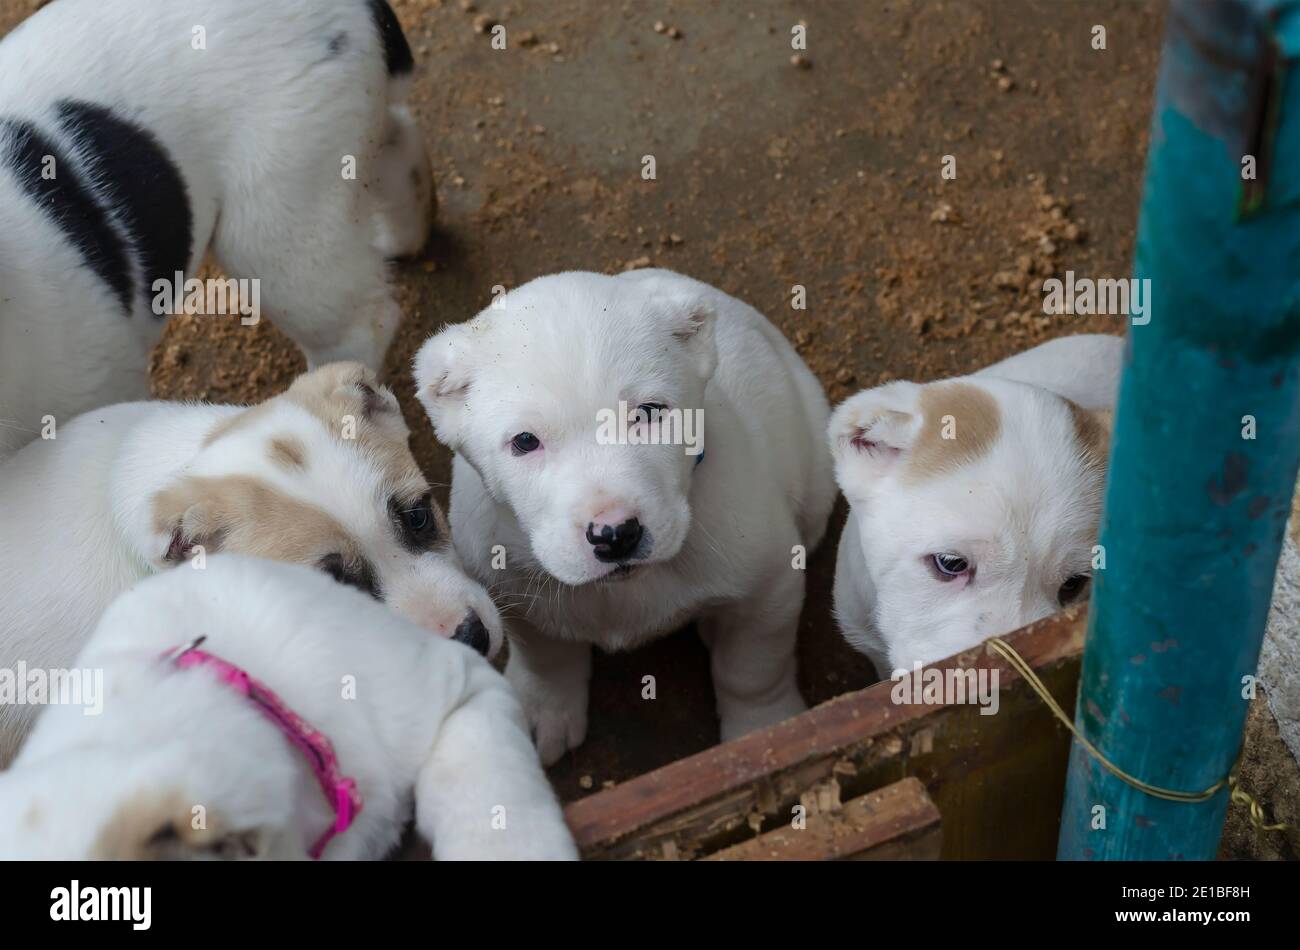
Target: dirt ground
{"x": 824, "y": 173}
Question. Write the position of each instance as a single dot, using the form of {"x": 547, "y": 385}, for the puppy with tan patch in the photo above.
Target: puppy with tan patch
{"x": 975, "y": 502}
{"x": 353, "y": 719}
{"x": 320, "y": 475}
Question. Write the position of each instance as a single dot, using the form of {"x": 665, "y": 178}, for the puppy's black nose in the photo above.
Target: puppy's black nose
{"x": 615, "y": 542}
{"x": 472, "y": 633}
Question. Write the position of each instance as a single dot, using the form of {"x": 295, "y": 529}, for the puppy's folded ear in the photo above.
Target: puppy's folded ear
{"x": 1092, "y": 429}
{"x": 185, "y": 525}
{"x": 442, "y": 380}
{"x": 871, "y": 432}
{"x": 338, "y": 389}
{"x": 691, "y": 322}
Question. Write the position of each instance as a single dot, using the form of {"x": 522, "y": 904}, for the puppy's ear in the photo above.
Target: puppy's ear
{"x": 870, "y": 434}
{"x": 185, "y": 524}
{"x": 691, "y": 322}
{"x": 442, "y": 380}
{"x": 1092, "y": 428}
{"x": 338, "y": 388}
{"x": 162, "y": 827}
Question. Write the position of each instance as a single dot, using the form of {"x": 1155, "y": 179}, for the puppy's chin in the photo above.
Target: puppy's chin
{"x": 595, "y": 574}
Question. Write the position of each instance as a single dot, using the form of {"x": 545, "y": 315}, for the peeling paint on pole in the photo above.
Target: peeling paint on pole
{"x": 1195, "y": 513}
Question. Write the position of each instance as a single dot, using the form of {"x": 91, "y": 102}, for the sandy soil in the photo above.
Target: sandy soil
{"x": 824, "y": 174}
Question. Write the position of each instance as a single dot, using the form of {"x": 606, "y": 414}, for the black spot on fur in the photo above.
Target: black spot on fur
{"x": 68, "y": 202}
{"x": 397, "y": 52}
{"x": 338, "y": 44}
{"x": 136, "y": 178}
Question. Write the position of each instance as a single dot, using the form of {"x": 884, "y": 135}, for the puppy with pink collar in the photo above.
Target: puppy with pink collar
{"x": 254, "y": 709}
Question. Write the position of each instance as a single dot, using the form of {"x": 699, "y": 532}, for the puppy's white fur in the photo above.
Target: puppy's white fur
{"x": 1016, "y": 492}
{"x": 424, "y": 720}
{"x": 129, "y": 490}
{"x": 720, "y": 538}
{"x": 259, "y": 124}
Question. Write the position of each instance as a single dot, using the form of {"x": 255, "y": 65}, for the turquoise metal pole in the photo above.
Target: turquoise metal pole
{"x": 1196, "y": 507}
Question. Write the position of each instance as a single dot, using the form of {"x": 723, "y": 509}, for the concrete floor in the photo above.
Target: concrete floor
{"x": 768, "y": 175}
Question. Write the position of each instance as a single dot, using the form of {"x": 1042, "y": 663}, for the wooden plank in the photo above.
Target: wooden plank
{"x": 897, "y": 822}
{"x": 996, "y": 779}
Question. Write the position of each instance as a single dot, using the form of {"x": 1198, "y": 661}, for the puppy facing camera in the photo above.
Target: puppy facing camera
{"x": 615, "y": 475}
{"x": 975, "y": 502}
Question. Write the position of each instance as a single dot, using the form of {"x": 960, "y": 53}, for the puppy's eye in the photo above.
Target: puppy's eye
{"x": 419, "y": 516}
{"x": 524, "y": 443}
{"x": 1072, "y": 589}
{"x": 415, "y": 521}
{"x": 650, "y": 412}
{"x": 949, "y": 566}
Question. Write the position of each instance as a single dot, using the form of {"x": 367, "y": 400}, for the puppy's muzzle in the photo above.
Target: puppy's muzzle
{"x": 615, "y": 542}
{"x": 473, "y": 634}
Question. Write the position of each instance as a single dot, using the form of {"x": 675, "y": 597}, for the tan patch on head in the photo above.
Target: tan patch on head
{"x": 288, "y": 452}
{"x": 1092, "y": 432}
{"x": 349, "y": 401}
{"x": 243, "y": 515}
{"x": 159, "y": 826}
{"x": 960, "y": 422}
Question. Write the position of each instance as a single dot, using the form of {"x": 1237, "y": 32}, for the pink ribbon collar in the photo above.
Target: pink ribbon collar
{"x": 340, "y": 791}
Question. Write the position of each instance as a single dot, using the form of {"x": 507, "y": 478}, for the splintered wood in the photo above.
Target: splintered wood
{"x": 997, "y": 780}
{"x": 898, "y": 822}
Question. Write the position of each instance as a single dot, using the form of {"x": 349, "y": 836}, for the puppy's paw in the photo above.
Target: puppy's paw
{"x": 526, "y": 831}
{"x": 738, "y": 720}
{"x": 557, "y": 718}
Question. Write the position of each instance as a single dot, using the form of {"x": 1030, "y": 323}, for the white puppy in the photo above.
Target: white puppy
{"x": 135, "y": 135}
{"x": 609, "y": 543}
{"x": 320, "y": 475}
{"x": 180, "y": 763}
{"x": 975, "y": 501}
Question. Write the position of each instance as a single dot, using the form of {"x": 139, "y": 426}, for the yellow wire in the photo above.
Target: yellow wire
{"x": 1239, "y": 795}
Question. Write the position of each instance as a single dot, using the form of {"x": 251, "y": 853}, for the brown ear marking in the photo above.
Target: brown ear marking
{"x": 160, "y": 826}
{"x": 191, "y": 526}
{"x": 341, "y": 390}
{"x": 960, "y": 423}
{"x": 1092, "y": 431}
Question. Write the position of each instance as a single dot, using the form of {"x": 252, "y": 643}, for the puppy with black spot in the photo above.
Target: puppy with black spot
{"x": 634, "y": 453}
{"x": 137, "y": 135}
{"x": 321, "y": 475}
{"x": 308, "y": 721}
{"x": 975, "y": 502}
